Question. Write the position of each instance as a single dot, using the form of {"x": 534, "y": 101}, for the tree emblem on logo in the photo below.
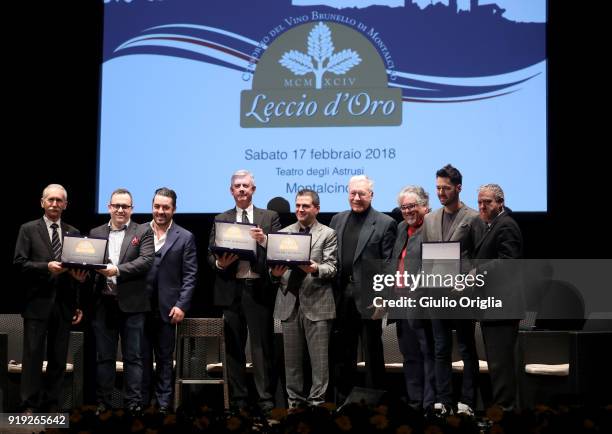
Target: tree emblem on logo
{"x": 320, "y": 49}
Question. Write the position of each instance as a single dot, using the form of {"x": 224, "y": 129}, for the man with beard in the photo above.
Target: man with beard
{"x": 455, "y": 221}
{"x": 171, "y": 281}
{"x": 501, "y": 243}
{"x": 414, "y": 333}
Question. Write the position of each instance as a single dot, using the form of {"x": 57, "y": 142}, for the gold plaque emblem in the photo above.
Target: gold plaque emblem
{"x": 288, "y": 244}
{"x": 85, "y": 246}
{"x": 232, "y": 233}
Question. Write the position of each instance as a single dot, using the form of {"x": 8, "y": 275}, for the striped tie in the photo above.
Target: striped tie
{"x": 245, "y": 216}
{"x": 55, "y": 243}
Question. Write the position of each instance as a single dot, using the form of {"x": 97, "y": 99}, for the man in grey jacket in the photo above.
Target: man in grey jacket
{"x": 305, "y": 304}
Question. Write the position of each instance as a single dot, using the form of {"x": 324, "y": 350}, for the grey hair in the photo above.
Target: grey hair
{"x": 45, "y": 192}
{"x": 418, "y": 191}
{"x": 365, "y": 178}
{"x": 240, "y": 174}
{"x": 495, "y": 189}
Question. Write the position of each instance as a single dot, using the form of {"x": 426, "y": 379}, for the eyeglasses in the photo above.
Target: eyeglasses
{"x": 408, "y": 207}
{"x": 359, "y": 193}
{"x": 118, "y": 206}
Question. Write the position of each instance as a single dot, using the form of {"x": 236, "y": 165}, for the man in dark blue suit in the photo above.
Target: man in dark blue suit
{"x": 171, "y": 282}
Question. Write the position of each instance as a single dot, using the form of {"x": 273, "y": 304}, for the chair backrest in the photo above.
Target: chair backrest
{"x": 12, "y": 325}
{"x": 561, "y": 307}
{"x": 390, "y": 345}
{"x": 200, "y": 343}
{"x": 544, "y": 347}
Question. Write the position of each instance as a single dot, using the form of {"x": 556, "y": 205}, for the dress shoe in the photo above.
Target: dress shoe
{"x": 101, "y": 408}
{"x": 135, "y": 410}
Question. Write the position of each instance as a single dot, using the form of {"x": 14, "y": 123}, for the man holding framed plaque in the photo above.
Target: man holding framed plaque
{"x": 454, "y": 222}
{"x": 121, "y": 301}
{"x": 305, "y": 303}
{"x": 244, "y": 291}
{"x": 50, "y": 301}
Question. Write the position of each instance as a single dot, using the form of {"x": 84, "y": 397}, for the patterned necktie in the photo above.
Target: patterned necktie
{"x": 305, "y": 230}
{"x": 55, "y": 243}
{"x": 245, "y": 216}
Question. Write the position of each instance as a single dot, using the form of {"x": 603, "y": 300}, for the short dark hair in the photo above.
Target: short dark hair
{"x": 451, "y": 173}
{"x": 166, "y": 192}
{"x": 308, "y": 192}
{"x": 122, "y": 191}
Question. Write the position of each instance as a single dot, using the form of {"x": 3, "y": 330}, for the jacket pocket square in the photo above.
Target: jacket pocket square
{"x": 135, "y": 241}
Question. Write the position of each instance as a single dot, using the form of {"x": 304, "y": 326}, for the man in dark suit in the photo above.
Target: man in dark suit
{"x": 365, "y": 244}
{"x": 245, "y": 292}
{"x": 501, "y": 243}
{"x": 171, "y": 281}
{"x": 121, "y": 301}
{"x": 305, "y": 304}
{"x": 51, "y": 300}
{"x": 414, "y": 333}
{"x": 455, "y": 221}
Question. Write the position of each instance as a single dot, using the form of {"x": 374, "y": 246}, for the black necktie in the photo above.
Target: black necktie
{"x": 305, "y": 230}
{"x": 245, "y": 216}
{"x": 55, "y": 243}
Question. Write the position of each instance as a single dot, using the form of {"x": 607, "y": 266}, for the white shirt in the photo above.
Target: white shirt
{"x": 159, "y": 242}
{"x": 115, "y": 240}
{"x": 244, "y": 267}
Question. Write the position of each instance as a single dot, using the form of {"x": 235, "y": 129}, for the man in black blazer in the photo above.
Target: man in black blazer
{"x": 365, "y": 245}
{"x": 244, "y": 290}
{"x": 171, "y": 281}
{"x": 501, "y": 243}
{"x": 51, "y": 300}
{"x": 121, "y": 300}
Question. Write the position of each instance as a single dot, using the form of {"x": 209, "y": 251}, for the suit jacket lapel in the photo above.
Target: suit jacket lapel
{"x": 437, "y": 224}
{"x": 315, "y": 231}
{"x": 129, "y": 234}
{"x": 460, "y": 212}
{"x": 343, "y": 219}
{"x": 488, "y": 230}
{"x": 65, "y": 231}
{"x": 44, "y": 233}
{"x": 364, "y": 235}
{"x": 171, "y": 238}
{"x": 402, "y": 236}
{"x": 257, "y": 213}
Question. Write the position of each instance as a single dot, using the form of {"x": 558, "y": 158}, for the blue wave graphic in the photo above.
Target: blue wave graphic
{"x": 234, "y": 51}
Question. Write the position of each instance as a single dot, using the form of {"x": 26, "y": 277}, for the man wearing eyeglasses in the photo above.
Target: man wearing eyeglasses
{"x": 305, "y": 304}
{"x": 365, "y": 245}
{"x": 121, "y": 300}
{"x": 414, "y": 333}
